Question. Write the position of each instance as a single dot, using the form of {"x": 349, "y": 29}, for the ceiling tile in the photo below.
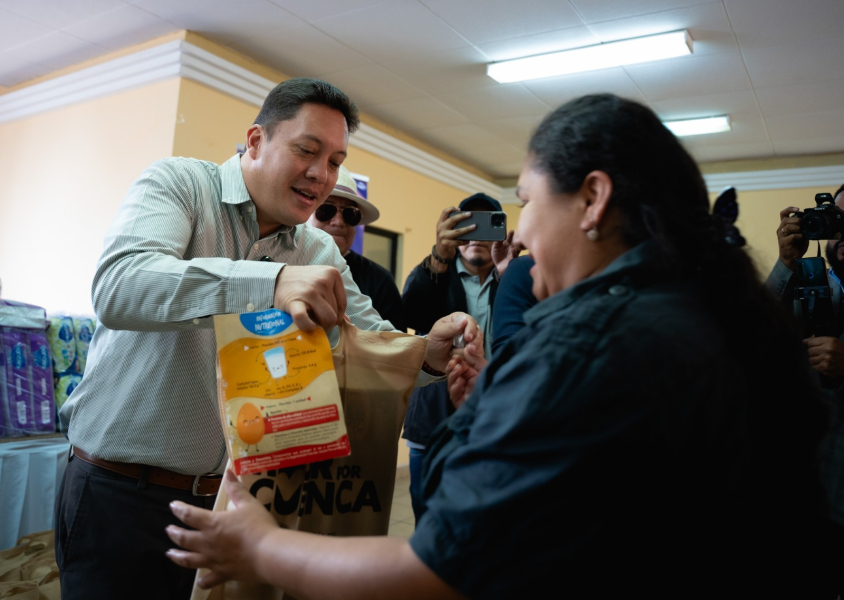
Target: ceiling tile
{"x": 392, "y": 32}
{"x": 444, "y": 72}
{"x": 763, "y": 23}
{"x": 58, "y": 50}
{"x": 373, "y": 85}
{"x": 595, "y": 11}
{"x": 508, "y": 169}
{"x": 15, "y": 30}
{"x": 15, "y": 70}
{"x": 555, "y": 91}
{"x": 58, "y": 15}
{"x": 417, "y": 114}
{"x": 510, "y": 100}
{"x": 707, "y": 24}
{"x": 727, "y": 103}
{"x": 504, "y": 19}
{"x": 540, "y": 43}
{"x": 807, "y": 126}
{"x": 803, "y": 63}
{"x": 120, "y": 28}
{"x": 303, "y": 52}
{"x": 815, "y": 146}
{"x": 690, "y": 76}
{"x": 468, "y": 141}
{"x": 311, "y": 11}
{"x": 515, "y": 131}
{"x": 223, "y": 17}
{"x": 730, "y": 151}
{"x": 793, "y": 99}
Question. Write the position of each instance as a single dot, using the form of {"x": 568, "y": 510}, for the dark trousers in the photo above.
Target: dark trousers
{"x": 110, "y": 539}
{"x": 414, "y": 468}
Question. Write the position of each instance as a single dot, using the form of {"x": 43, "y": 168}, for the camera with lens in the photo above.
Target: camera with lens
{"x": 823, "y": 222}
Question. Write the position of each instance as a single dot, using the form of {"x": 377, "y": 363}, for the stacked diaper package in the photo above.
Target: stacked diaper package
{"x": 42, "y": 360}
{"x": 69, "y": 338}
{"x": 26, "y": 375}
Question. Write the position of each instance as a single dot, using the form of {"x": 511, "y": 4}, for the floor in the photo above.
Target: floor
{"x": 402, "y": 522}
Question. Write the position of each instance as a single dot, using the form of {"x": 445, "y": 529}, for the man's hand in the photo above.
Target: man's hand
{"x": 792, "y": 243}
{"x": 447, "y": 242}
{"x": 826, "y": 355}
{"x": 227, "y": 542}
{"x": 441, "y": 339}
{"x": 504, "y": 252}
{"x": 462, "y": 374}
{"x": 313, "y": 295}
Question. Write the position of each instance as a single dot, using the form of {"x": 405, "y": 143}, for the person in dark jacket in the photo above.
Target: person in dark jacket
{"x": 338, "y": 216}
{"x": 651, "y": 431}
{"x": 456, "y": 276}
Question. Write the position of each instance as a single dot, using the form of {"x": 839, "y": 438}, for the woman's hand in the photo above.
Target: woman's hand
{"x": 462, "y": 372}
{"x": 227, "y": 542}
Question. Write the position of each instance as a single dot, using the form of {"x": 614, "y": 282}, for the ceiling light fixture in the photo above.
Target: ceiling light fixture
{"x": 592, "y": 58}
{"x": 699, "y": 126}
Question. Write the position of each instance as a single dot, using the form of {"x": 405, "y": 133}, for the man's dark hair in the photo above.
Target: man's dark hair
{"x": 286, "y": 99}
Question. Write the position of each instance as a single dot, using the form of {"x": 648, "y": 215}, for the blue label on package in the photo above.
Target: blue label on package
{"x": 18, "y": 357}
{"x": 41, "y": 358}
{"x": 268, "y": 322}
{"x": 65, "y": 333}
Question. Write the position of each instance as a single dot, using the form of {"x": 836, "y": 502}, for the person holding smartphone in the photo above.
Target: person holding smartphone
{"x": 461, "y": 275}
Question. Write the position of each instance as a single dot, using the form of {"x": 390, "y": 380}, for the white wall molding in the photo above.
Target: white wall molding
{"x": 777, "y": 179}
{"x": 182, "y": 59}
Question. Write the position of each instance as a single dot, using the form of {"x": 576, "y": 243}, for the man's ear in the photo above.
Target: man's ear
{"x": 255, "y": 138}
{"x": 596, "y": 191}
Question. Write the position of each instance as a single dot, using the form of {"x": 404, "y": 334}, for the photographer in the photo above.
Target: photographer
{"x": 826, "y": 352}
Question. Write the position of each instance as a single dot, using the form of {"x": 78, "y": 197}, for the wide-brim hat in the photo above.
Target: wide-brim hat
{"x": 481, "y": 198}
{"x": 347, "y": 188}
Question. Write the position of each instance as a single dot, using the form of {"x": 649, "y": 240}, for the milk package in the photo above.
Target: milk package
{"x": 26, "y": 397}
{"x": 278, "y": 393}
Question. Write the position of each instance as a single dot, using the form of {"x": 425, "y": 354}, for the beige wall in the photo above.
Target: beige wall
{"x": 64, "y": 174}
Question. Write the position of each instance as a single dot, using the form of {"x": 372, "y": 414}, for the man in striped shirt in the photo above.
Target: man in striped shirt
{"x": 193, "y": 239}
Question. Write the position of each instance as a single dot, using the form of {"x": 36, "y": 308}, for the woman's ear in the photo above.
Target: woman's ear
{"x": 596, "y": 190}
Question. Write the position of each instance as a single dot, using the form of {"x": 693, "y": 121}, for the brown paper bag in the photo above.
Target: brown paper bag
{"x": 49, "y": 586}
{"x": 19, "y": 590}
{"x": 352, "y": 495}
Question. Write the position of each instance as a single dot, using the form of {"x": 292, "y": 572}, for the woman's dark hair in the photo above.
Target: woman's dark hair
{"x": 661, "y": 195}
{"x": 286, "y": 99}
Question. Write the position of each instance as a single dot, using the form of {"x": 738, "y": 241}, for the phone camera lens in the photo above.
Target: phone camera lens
{"x": 497, "y": 221}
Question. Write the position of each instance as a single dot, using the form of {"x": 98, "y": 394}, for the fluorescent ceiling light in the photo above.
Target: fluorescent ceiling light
{"x": 699, "y": 126}
{"x": 591, "y": 58}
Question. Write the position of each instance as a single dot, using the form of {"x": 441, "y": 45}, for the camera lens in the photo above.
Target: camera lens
{"x": 497, "y": 220}
{"x": 817, "y": 225}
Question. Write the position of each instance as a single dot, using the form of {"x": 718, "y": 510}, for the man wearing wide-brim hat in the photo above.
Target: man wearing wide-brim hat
{"x": 339, "y": 216}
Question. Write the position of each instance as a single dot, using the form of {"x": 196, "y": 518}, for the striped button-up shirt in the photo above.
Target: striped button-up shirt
{"x": 183, "y": 247}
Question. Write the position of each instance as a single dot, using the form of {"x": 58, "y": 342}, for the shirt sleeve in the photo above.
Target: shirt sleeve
{"x": 144, "y": 282}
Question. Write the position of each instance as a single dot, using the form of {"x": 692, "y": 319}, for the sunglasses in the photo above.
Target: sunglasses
{"x": 326, "y": 212}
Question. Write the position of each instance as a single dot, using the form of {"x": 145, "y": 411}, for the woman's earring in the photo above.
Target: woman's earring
{"x": 592, "y": 234}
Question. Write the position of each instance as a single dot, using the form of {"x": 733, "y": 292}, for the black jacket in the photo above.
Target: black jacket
{"x": 428, "y": 297}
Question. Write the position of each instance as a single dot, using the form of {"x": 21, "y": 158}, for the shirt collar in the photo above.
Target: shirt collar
{"x": 641, "y": 258}
{"x": 234, "y": 192}
{"x": 233, "y": 187}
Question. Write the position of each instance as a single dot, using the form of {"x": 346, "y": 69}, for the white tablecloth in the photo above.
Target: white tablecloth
{"x": 31, "y": 470}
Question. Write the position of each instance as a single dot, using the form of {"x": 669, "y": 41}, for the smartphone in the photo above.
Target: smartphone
{"x": 491, "y": 225}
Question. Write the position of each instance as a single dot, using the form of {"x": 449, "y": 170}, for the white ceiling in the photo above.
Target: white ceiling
{"x": 775, "y": 66}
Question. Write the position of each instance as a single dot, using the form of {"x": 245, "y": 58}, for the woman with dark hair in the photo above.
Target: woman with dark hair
{"x": 652, "y": 428}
